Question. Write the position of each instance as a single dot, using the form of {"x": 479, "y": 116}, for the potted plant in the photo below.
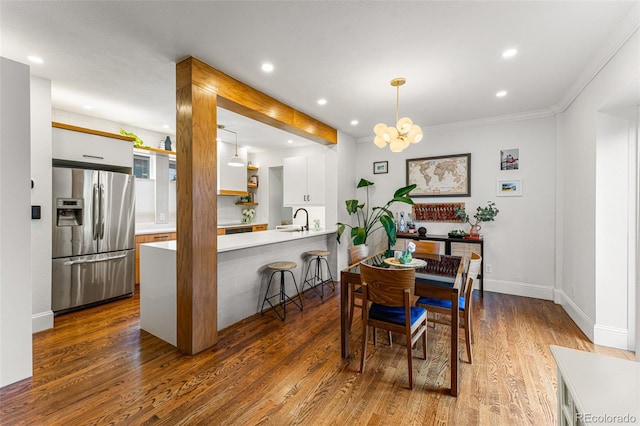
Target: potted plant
{"x": 483, "y": 214}
{"x": 371, "y": 219}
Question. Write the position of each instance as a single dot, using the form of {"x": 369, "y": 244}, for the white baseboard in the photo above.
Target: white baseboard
{"x": 42, "y": 321}
{"x": 612, "y": 337}
{"x": 519, "y": 289}
{"x": 581, "y": 319}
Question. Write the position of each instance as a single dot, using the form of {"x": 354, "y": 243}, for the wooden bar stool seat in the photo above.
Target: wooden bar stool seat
{"x": 318, "y": 278}
{"x": 282, "y": 297}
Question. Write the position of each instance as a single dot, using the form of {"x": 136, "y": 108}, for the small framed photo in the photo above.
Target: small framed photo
{"x": 510, "y": 159}
{"x": 380, "y": 167}
{"x": 509, "y": 188}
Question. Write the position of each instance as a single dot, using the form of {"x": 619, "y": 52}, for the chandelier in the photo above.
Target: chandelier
{"x": 403, "y": 134}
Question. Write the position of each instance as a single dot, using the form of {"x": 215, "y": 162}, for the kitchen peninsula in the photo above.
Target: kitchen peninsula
{"x": 242, "y": 279}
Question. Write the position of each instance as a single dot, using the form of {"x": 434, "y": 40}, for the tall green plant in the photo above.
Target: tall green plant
{"x": 371, "y": 219}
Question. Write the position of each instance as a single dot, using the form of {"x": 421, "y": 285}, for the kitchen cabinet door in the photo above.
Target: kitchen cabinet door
{"x": 231, "y": 180}
{"x": 82, "y": 148}
{"x": 294, "y": 181}
{"x": 303, "y": 181}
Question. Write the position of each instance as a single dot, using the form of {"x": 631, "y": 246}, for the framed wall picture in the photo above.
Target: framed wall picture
{"x": 380, "y": 167}
{"x": 443, "y": 176}
{"x": 510, "y": 159}
{"x": 509, "y": 188}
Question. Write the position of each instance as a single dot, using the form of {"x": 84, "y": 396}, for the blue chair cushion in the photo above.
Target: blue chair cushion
{"x": 441, "y": 303}
{"x": 393, "y": 314}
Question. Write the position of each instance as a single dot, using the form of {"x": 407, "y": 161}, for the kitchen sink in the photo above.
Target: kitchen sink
{"x": 288, "y": 228}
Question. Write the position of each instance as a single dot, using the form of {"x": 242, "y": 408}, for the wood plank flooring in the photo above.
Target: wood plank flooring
{"x": 97, "y": 367}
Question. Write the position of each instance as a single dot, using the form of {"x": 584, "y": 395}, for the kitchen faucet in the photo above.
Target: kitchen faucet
{"x": 306, "y": 227}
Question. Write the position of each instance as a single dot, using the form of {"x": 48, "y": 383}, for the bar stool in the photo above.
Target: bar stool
{"x": 281, "y": 268}
{"x": 317, "y": 277}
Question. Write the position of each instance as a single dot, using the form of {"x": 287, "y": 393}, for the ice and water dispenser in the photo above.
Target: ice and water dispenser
{"x": 69, "y": 211}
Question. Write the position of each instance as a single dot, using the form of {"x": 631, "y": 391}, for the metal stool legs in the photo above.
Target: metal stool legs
{"x": 282, "y": 296}
{"x": 317, "y": 278}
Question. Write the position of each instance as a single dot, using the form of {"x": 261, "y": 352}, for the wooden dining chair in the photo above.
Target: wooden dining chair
{"x": 426, "y": 248}
{"x": 390, "y": 292}
{"x": 443, "y": 306}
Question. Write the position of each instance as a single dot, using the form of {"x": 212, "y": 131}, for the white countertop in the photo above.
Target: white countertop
{"x": 160, "y": 228}
{"x": 154, "y": 228}
{"x": 252, "y": 239}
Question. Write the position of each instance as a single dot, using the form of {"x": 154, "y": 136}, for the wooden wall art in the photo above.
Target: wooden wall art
{"x": 437, "y": 212}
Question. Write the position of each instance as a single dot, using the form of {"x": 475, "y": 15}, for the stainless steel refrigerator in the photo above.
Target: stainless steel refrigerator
{"x": 93, "y": 237}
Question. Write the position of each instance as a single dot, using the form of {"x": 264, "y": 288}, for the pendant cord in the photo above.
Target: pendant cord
{"x": 397, "y": 102}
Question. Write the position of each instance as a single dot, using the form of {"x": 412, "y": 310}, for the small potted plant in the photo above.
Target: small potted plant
{"x": 372, "y": 218}
{"x": 482, "y": 214}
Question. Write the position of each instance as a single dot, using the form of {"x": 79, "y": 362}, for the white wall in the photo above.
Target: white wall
{"x": 616, "y": 85}
{"x": 612, "y": 227}
{"x": 519, "y": 245}
{"x": 41, "y": 195}
{"x": 15, "y": 214}
{"x": 347, "y": 178}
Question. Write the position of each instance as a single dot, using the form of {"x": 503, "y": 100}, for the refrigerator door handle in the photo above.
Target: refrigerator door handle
{"x": 96, "y": 211}
{"x": 102, "y": 206}
{"x": 79, "y": 262}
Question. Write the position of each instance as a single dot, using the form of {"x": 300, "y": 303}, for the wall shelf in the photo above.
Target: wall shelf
{"x": 254, "y": 168}
{"x": 245, "y": 204}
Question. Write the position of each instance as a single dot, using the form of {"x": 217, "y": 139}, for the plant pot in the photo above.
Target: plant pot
{"x": 357, "y": 253}
{"x": 475, "y": 231}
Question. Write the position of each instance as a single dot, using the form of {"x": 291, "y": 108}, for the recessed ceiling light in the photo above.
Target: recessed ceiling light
{"x": 267, "y": 67}
{"x": 501, "y": 94}
{"x": 509, "y": 53}
{"x": 289, "y": 141}
{"x": 35, "y": 59}
{"x": 87, "y": 107}
{"x": 165, "y": 126}
{"x": 354, "y": 122}
{"x": 322, "y": 101}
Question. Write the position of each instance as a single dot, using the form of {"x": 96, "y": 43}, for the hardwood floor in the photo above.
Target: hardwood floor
{"x": 97, "y": 367}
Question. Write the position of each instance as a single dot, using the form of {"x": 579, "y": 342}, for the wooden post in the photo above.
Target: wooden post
{"x": 197, "y": 214}
{"x": 200, "y": 89}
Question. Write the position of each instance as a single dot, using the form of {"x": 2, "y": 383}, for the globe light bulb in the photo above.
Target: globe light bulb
{"x": 404, "y": 125}
{"x": 379, "y": 129}
{"x": 396, "y": 145}
{"x": 380, "y": 143}
{"x": 415, "y": 134}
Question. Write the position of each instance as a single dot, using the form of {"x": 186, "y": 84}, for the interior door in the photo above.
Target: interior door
{"x": 117, "y": 208}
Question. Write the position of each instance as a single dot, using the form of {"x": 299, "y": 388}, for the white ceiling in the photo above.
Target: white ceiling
{"x": 120, "y": 57}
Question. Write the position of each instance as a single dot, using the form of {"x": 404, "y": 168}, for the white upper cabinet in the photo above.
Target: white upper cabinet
{"x": 231, "y": 180}
{"x": 304, "y": 180}
{"x": 80, "y": 146}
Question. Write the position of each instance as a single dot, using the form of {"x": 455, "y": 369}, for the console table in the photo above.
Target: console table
{"x": 448, "y": 249}
{"x": 595, "y": 389}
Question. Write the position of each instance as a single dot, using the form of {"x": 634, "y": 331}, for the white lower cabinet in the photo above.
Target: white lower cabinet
{"x": 304, "y": 180}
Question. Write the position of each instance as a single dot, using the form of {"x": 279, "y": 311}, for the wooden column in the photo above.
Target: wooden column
{"x": 200, "y": 88}
{"x": 197, "y": 214}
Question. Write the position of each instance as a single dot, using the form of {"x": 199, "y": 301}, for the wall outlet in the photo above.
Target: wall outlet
{"x": 161, "y": 216}
{"x": 488, "y": 268}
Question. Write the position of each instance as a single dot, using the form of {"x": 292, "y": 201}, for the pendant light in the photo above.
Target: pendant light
{"x": 234, "y": 161}
{"x": 403, "y": 134}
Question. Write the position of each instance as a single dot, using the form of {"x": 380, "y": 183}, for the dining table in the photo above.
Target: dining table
{"x": 438, "y": 276}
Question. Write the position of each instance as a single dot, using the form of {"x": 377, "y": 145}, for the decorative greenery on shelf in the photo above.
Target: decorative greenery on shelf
{"x": 483, "y": 214}
{"x": 371, "y": 219}
{"x": 137, "y": 141}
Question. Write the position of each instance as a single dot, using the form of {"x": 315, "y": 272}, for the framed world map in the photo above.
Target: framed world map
{"x": 443, "y": 176}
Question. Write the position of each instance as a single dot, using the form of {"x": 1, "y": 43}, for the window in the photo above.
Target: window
{"x": 172, "y": 170}
{"x": 142, "y": 166}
